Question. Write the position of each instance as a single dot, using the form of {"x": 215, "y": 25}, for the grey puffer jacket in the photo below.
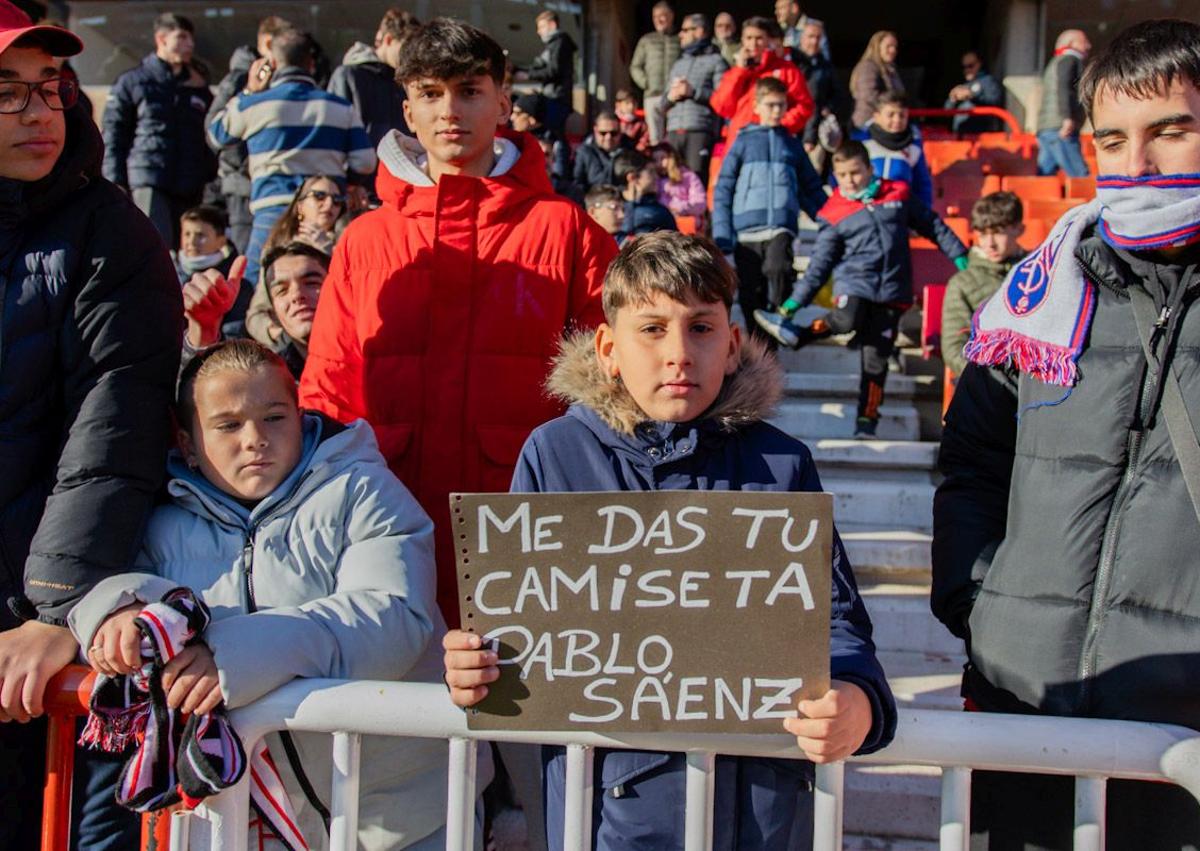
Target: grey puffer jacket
{"x": 1064, "y": 542}
{"x": 1060, "y": 92}
{"x": 652, "y": 58}
{"x": 332, "y": 575}
{"x": 702, "y": 66}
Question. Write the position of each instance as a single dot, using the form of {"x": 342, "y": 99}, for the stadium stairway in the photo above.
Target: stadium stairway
{"x": 883, "y": 507}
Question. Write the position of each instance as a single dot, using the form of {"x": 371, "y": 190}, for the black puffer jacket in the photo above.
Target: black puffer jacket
{"x": 154, "y": 130}
{"x": 1065, "y": 543}
{"x": 89, "y": 348}
{"x": 232, "y": 167}
{"x": 370, "y": 84}
{"x": 554, "y": 67}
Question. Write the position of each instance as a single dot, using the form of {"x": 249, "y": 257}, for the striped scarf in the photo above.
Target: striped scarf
{"x": 1039, "y": 318}
{"x": 179, "y": 758}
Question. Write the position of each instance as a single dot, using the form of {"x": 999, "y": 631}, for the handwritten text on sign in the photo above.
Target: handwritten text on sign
{"x": 687, "y": 610}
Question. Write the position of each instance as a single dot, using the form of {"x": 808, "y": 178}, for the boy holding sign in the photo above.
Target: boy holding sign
{"x": 667, "y": 396}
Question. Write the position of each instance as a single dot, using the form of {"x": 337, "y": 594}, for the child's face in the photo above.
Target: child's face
{"x": 456, "y": 120}
{"x": 610, "y": 215}
{"x": 852, "y": 175}
{"x": 199, "y": 238}
{"x": 646, "y": 180}
{"x": 245, "y": 437}
{"x": 626, "y": 107}
{"x": 671, "y": 356}
{"x": 999, "y": 244}
{"x": 770, "y": 109}
{"x": 892, "y": 118}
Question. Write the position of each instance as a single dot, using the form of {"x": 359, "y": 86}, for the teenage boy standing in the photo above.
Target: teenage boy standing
{"x": 1064, "y": 540}
{"x": 443, "y": 308}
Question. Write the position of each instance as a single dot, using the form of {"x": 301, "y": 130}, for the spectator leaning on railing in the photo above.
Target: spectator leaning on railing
{"x": 1065, "y": 533}
{"x": 92, "y": 321}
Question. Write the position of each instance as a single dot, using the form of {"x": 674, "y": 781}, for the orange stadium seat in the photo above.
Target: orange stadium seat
{"x": 1003, "y": 161}
{"x": 942, "y": 154}
{"x": 929, "y": 265}
{"x": 961, "y": 225}
{"x": 1036, "y": 231}
{"x": 687, "y": 224}
{"x": 1028, "y": 188}
{"x": 932, "y": 299}
{"x": 1050, "y": 209}
{"x": 1081, "y": 187}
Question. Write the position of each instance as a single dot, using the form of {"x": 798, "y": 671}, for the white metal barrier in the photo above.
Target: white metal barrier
{"x": 1092, "y": 750}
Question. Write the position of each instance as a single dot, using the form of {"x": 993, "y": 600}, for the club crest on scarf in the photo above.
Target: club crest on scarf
{"x": 1029, "y": 283}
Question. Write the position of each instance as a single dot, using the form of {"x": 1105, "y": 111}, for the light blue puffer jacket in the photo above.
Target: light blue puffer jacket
{"x": 330, "y": 576}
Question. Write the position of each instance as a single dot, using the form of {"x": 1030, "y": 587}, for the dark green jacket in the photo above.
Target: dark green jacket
{"x": 965, "y": 292}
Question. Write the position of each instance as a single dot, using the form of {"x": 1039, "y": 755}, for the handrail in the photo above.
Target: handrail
{"x": 66, "y": 698}
{"x": 1014, "y": 126}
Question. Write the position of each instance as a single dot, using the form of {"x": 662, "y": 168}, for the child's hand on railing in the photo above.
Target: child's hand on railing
{"x": 832, "y": 728}
{"x": 190, "y": 681}
{"x": 116, "y": 647}
{"x": 468, "y": 667}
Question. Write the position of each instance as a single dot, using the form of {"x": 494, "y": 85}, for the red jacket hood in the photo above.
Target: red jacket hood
{"x": 839, "y": 207}
{"x": 519, "y": 173}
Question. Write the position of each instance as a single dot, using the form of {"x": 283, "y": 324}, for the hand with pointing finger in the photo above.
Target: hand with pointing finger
{"x": 207, "y": 297}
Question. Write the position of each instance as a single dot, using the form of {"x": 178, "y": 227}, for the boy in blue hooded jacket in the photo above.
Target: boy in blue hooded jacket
{"x": 666, "y": 395}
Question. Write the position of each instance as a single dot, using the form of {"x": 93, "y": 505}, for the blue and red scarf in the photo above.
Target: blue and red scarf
{"x": 1039, "y": 318}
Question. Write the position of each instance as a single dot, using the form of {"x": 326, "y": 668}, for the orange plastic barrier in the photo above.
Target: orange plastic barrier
{"x": 67, "y": 699}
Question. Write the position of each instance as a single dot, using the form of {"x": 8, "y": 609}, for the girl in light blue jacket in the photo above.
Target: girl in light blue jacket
{"x": 315, "y": 562}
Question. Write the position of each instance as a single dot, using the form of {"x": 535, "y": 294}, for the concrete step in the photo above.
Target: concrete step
{"x": 886, "y": 501}
{"x": 827, "y": 385}
{"x": 831, "y": 453}
{"x": 924, "y": 680}
{"x": 882, "y": 843}
{"x": 903, "y": 622}
{"x": 821, "y": 358}
{"x": 812, "y": 419}
{"x": 887, "y": 554}
{"x": 896, "y": 802}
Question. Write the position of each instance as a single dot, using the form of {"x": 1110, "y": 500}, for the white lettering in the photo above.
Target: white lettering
{"x": 590, "y": 692}
{"x": 782, "y": 696}
{"x": 725, "y": 696}
{"x": 682, "y": 713}
{"x": 659, "y": 697}
{"x": 668, "y": 654}
{"x": 574, "y": 651}
{"x": 688, "y": 583}
{"x": 645, "y": 583}
{"x": 484, "y": 582}
{"x": 586, "y": 580}
{"x": 610, "y": 513}
{"x": 531, "y": 586}
{"x": 541, "y": 533}
{"x": 697, "y": 529}
{"x": 747, "y": 577}
{"x": 800, "y": 587}
{"x": 759, "y": 514}
{"x": 486, "y": 515}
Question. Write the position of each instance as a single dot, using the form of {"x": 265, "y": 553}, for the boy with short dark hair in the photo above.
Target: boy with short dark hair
{"x": 607, "y": 209}
{"x": 665, "y": 396}
{"x": 443, "y": 308}
{"x": 996, "y": 225}
{"x": 202, "y": 242}
{"x": 895, "y": 148}
{"x": 863, "y": 242}
{"x": 633, "y": 126}
{"x": 766, "y": 179}
{"x": 637, "y": 178}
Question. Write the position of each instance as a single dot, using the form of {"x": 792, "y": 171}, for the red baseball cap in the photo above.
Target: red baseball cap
{"x": 14, "y": 23}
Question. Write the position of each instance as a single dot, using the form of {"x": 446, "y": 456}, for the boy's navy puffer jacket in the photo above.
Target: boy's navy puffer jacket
{"x": 604, "y": 443}
{"x": 865, "y": 245}
{"x": 766, "y": 180}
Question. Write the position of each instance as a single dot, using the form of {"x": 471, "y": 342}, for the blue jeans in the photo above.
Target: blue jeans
{"x": 98, "y": 822}
{"x": 1055, "y": 152}
{"x": 264, "y": 220}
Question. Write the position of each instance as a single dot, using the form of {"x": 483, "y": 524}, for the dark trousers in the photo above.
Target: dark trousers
{"x": 22, "y": 770}
{"x": 240, "y": 220}
{"x": 694, "y": 148}
{"x": 1032, "y": 812}
{"x": 765, "y": 277}
{"x": 164, "y": 210}
{"x": 98, "y": 822}
{"x": 874, "y": 327}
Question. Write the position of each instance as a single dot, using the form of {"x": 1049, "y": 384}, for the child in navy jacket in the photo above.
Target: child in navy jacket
{"x": 863, "y": 242}
{"x": 667, "y": 396}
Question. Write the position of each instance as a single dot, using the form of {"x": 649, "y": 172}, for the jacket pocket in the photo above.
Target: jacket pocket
{"x": 499, "y": 446}
{"x": 617, "y": 768}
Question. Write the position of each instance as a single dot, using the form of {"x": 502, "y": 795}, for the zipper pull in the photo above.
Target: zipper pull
{"x": 1163, "y": 316}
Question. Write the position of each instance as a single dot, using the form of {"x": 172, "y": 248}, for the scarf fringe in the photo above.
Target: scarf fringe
{"x": 1044, "y": 361}
{"x": 114, "y": 731}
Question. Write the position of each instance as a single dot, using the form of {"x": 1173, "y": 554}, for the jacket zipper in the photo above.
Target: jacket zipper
{"x": 1112, "y": 530}
{"x": 248, "y": 570}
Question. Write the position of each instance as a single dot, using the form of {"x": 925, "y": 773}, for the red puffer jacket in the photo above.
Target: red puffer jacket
{"x": 734, "y": 97}
{"x": 440, "y": 315}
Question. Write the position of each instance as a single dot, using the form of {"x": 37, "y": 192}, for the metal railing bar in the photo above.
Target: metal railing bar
{"x": 827, "y": 807}
{"x": 955, "y": 831}
{"x": 700, "y": 793}
{"x": 577, "y": 807}
{"x": 1090, "y": 796}
{"x": 343, "y": 824}
{"x": 460, "y": 803}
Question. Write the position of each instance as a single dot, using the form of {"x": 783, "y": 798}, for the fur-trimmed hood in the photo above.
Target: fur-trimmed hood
{"x": 747, "y": 396}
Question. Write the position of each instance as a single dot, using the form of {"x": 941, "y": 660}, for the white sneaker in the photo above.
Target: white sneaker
{"x": 778, "y": 327}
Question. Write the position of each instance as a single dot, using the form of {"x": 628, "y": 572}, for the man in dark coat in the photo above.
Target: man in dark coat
{"x": 978, "y": 88}
{"x": 553, "y": 68}
{"x": 595, "y": 157}
{"x": 367, "y": 76}
{"x": 90, "y": 315}
{"x": 154, "y": 129}
{"x": 1065, "y": 535}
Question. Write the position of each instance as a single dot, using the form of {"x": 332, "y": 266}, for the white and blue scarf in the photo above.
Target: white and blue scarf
{"x": 1039, "y": 318}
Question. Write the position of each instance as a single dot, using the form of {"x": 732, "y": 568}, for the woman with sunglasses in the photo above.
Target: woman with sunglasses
{"x": 91, "y": 318}
{"x": 315, "y": 217}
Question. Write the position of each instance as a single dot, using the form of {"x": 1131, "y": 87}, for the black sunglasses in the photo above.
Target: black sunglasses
{"x": 321, "y": 195}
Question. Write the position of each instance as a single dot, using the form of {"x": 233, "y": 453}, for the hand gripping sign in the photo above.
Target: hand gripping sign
{"x": 688, "y": 611}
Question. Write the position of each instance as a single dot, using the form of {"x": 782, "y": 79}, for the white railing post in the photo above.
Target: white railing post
{"x": 460, "y": 799}
{"x": 1090, "y": 796}
{"x": 698, "y": 812}
{"x": 955, "y": 833}
{"x": 228, "y": 815}
{"x": 181, "y": 823}
{"x": 343, "y": 824}
{"x": 577, "y": 806}
{"x": 827, "y": 807}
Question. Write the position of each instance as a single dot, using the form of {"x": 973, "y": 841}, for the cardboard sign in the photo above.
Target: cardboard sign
{"x": 684, "y": 611}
